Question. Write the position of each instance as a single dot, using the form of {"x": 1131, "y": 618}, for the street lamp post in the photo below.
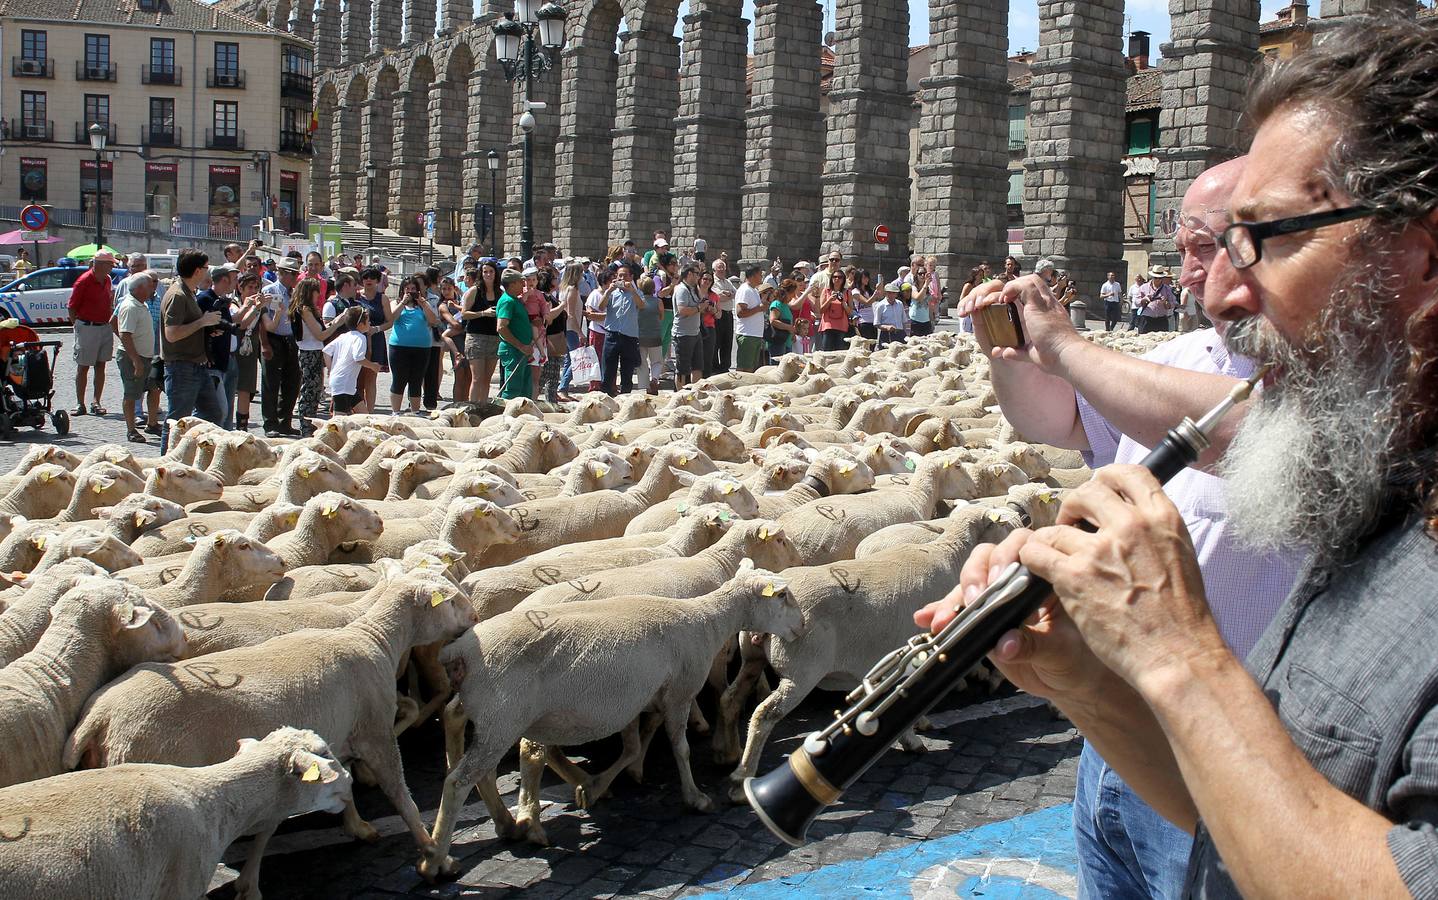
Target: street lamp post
{"x": 98, "y": 135}
{"x": 371, "y": 172}
{"x": 493, "y": 232}
{"x": 515, "y": 46}
{"x": 262, "y": 166}
{"x": 150, "y": 229}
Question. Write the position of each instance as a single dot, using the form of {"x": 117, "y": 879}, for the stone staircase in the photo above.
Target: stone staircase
{"x": 355, "y": 238}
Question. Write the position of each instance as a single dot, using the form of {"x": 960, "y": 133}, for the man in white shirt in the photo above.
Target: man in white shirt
{"x": 724, "y": 322}
{"x": 749, "y": 318}
{"x": 1112, "y": 296}
{"x": 135, "y": 358}
{"x": 889, "y": 315}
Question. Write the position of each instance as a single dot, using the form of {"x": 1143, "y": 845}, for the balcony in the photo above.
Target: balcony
{"x": 31, "y": 130}
{"x": 295, "y": 85}
{"x": 161, "y": 75}
{"x": 225, "y": 78}
{"x": 157, "y": 135}
{"x": 224, "y": 140}
{"x": 82, "y": 133}
{"x": 94, "y": 71}
{"x": 296, "y": 142}
{"x": 21, "y": 67}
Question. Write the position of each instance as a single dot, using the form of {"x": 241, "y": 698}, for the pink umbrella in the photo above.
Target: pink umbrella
{"x": 11, "y": 238}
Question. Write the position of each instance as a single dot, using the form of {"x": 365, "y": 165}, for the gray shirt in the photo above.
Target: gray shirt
{"x": 1350, "y": 667}
{"x": 686, "y": 298}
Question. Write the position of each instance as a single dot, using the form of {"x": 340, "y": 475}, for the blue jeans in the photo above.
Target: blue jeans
{"x": 229, "y": 386}
{"x": 190, "y": 388}
{"x": 1126, "y": 851}
{"x": 571, "y": 340}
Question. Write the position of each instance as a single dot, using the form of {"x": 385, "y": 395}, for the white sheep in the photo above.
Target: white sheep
{"x": 37, "y": 455}
{"x": 222, "y": 564}
{"x": 28, "y": 614}
{"x": 137, "y": 514}
{"x": 180, "y": 535}
{"x": 40, "y": 493}
{"x": 98, "y": 547}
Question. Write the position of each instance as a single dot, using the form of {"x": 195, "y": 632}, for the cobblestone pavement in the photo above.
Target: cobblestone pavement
{"x": 983, "y": 813}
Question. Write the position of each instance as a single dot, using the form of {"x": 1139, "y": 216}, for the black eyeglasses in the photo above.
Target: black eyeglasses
{"x": 1244, "y": 240}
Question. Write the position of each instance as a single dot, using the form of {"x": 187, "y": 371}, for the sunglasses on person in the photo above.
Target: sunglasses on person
{"x": 1243, "y": 241}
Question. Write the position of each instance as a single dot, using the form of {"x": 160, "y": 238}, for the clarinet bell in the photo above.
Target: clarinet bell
{"x": 785, "y": 803}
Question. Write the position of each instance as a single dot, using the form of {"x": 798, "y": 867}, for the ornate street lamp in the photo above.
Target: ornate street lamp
{"x": 515, "y": 45}
{"x": 490, "y": 231}
{"x": 371, "y": 172}
{"x": 98, "y": 135}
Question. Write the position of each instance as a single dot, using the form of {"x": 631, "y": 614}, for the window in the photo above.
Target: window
{"x": 1142, "y": 136}
{"x": 227, "y": 58}
{"x": 1016, "y": 188}
{"x": 227, "y": 119}
{"x": 162, "y": 112}
{"x": 97, "y": 52}
{"x": 33, "y": 45}
{"x": 97, "y": 109}
{"x": 162, "y": 56}
{"x": 33, "y": 109}
{"x": 296, "y": 62}
{"x": 1018, "y": 127}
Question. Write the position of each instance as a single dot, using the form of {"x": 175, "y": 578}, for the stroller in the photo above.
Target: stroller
{"x": 26, "y": 381}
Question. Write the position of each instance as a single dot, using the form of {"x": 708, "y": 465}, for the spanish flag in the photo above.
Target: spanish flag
{"x": 314, "y": 120}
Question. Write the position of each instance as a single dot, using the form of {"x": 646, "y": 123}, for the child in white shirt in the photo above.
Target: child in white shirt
{"x": 348, "y": 354}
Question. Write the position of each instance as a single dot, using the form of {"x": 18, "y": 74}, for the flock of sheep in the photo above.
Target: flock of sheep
{"x": 195, "y": 647}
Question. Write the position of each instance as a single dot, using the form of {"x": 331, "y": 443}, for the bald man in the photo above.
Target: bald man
{"x": 1063, "y": 390}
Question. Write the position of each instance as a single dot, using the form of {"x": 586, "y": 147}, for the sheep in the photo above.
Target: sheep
{"x": 161, "y": 830}
{"x": 235, "y": 454}
{"x": 288, "y": 454}
{"x": 98, "y": 629}
{"x": 25, "y": 544}
{"x": 182, "y": 484}
{"x": 830, "y": 529}
{"x": 222, "y": 564}
{"x": 472, "y": 524}
{"x": 1037, "y": 505}
{"x": 98, "y": 547}
{"x": 545, "y": 524}
{"x": 537, "y": 448}
{"x": 499, "y": 589}
{"x": 310, "y": 474}
{"x": 103, "y": 484}
{"x": 715, "y": 439}
{"x": 715, "y": 487}
{"x": 338, "y": 683}
{"x": 115, "y": 455}
{"x": 344, "y": 581}
{"x": 909, "y": 534}
{"x": 137, "y": 514}
{"x": 37, "y": 455}
{"x": 478, "y": 483}
{"x": 641, "y": 653}
{"x": 40, "y": 493}
{"x": 25, "y": 619}
{"x": 857, "y": 612}
{"x": 831, "y": 472}
{"x": 179, "y": 536}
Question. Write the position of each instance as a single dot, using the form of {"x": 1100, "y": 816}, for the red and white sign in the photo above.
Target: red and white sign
{"x": 34, "y": 218}
{"x": 881, "y": 234}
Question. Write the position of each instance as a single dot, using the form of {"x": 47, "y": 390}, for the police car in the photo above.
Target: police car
{"x": 40, "y": 298}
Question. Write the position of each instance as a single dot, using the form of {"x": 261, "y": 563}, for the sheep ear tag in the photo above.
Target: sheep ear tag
{"x": 1046, "y": 496}
{"x": 312, "y": 773}
{"x": 98, "y": 488}
{"x": 994, "y": 515}
{"x": 764, "y": 533}
{"x": 601, "y": 471}
{"x": 769, "y": 589}
{"x": 329, "y": 510}
{"x": 436, "y": 598}
{"x": 910, "y": 465}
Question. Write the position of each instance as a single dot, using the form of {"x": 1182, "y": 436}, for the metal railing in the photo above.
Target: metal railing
{"x": 293, "y": 84}
{"x": 224, "y": 78}
{"x": 160, "y": 135}
{"x": 82, "y": 133}
{"x": 161, "y": 75}
{"x": 296, "y": 142}
{"x": 29, "y": 130}
{"x": 87, "y": 71}
{"x": 23, "y": 67}
{"x": 224, "y": 140}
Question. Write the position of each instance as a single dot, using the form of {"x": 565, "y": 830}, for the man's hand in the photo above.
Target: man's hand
{"x": 139, "y": 364}
{"x": 1046, "y": 657}
{"x": 1047, "y": 327}
{"x": 210, "y": 318}
{"x": 1132, "y": 588}
{"x": 266, "y": 353}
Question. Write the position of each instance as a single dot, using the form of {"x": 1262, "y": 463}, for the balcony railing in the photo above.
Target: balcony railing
{"x": 94, "y": 71}
{"x": 224, "y": 78}
{"x": 161, "y": 75}
{"x": 82, "y": 133}
{"x": 31, "y": 130}
{"x": 154, "y": 135}
{"x": 296, "y": 142}
{"x": 22, "y": 67}
{"x": 224, "y": 140}
{"x": 293, "y": 84}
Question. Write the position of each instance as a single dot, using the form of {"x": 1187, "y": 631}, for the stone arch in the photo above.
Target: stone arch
{"x": 302, "y": 18}
{"x": 379, "y": 144}
{"x": 280, "y": 18}
{"x": 386, "y": 25}
{"x": 348, "y": 181}
{"x": 448, "y": 139}
{"x": 356, "y": 34}
{"x": 644, "y": 132}
{"x": 411, "y": 146}
{"x": 491, "y": 119}
{"x": 323, "y": 163}
{"x": 584, "y": 155}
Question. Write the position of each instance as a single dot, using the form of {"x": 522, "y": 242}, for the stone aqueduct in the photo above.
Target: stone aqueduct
{"x": 633, "y": 139}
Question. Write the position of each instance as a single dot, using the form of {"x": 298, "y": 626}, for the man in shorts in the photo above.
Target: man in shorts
{"x": 91, "y": 305}
{"x": 135, "y": 358}
{"x": 688, "y": 343}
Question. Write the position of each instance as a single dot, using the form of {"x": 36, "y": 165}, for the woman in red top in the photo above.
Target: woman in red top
{"x": 835, "y": 308}
{"x": 805, "y": 318}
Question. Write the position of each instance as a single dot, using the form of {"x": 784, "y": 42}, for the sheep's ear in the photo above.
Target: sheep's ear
{"x": 387, "y": 463}
{"x": 102, "y": 512}
{"x": 746, "y": 564}
{"x": 846, "y": 468}
{"x": 102, "y": 484}
{"x": 47, "y": 476}
{"x": 729, "y": 488}
{"x": 144, "y": 517}
{"x": 305, "y": 471}
{"x": 715, "y": 433}
{"x": 329, "y": 509}
{"x": 220, "y": 538}
{"x": 307, "y": 767}
{"x": 130, "y": 616}
{"x": 39, "y": 541}
{"x": 546, "y": 436}
{"x": 685, "y": 478}
{"x": 244, "y": 744}
{"x": 764, "y": 533}
{"x": 599, "y": 471}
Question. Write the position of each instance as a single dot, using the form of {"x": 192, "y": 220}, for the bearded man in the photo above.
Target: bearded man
{"x": 1314, "y": 770}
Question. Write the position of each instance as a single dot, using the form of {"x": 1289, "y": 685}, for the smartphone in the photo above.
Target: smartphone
{"x": 1003, "y": 325}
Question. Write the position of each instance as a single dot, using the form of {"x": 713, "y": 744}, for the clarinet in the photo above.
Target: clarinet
{"x": 906, "y": 683}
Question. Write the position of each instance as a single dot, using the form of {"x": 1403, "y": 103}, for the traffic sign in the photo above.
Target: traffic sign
{"x": 881, "y": 234}
{"x": 34, "y": 218}
{"x": 429, "y": 224}
{"x": 27, "y": 235}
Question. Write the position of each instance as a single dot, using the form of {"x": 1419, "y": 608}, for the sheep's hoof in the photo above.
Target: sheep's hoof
{"x": 508, "y": 830}
{"x": 582, "y": 798}
{"x": 923, "y": 724}
{"x": 533, "y": 832}
{"x": 636, "y": 771}
{"x": 432, "y": 870}
{"x": 736, "y": 791}
{"x": 702, "y": 802}
{"x": 364, "y": 831}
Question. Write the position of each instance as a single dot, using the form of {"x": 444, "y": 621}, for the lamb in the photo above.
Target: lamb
{"x": 472, "y": 524}
{"x": 289, "y": 454}
{"x": 715, "y": 487}
{"x": 137, "y": 514}
{"x": 28, "y": 616}
{"x": 67, "y": 848}
{"x": 910, "y": 534}
{"x": 715, "y": 439}
{"x": 829, "y": 530}
{"x": 182, "y": 484}
{"x": 115, "y": 455}
{"x": 545, "y": 524}
{"x": 311, "y": 474}
{"x": 857, "y": 612}
{"x": 1037, "y": 505}
{"x": 643, "y": 653}
{"x": 594, "y": 469}
{"x": 343, "y": 582}
{"x": 477, "y": 483}
{"x": 395, "y": 468}
{"x": 98, "y": 547}
{"x": 98, "y": 629}
{"x": 38, "y": 455}
{"x": 104, "y": 484}
{"x": 497, "y": 590}
{"x": 831, "y": 472}
{"x": 236, "y": 453}
{"x": 222, "y": 564}
{"x": 25, "y": 544}
{"x": 337, "y": 682}
{"x": 179, "y": 536}
{"x": 762, "y": 541}
{"x": 41, "y": 493}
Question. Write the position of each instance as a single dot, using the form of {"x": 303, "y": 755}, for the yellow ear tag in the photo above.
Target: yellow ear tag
{"x": 845, "y": 470}
{"x": 764, "y": 533}
{"x": 47, "y": 476}
{"x": 312, "y": 773}
{"x": 769, "y": 589}
{"x": 481, "y": 512}
{"x": 616, "y": 435}
{"x": 329, "y": 510}
{"x": 448, "y": 560}
{"x": 39, "y": 542}
{"x": 98, "y": 488}
{"x": 1046, "y": 496}
{"x": 729, "y": 489}
{"x": 601, "y": 471}
{"x": 948, "y": 463}
{"x": 683, "y": 460}
{"x": 994, "y": 515}
{"x": 304, "y": 473}
{"x": 436, "y": 598}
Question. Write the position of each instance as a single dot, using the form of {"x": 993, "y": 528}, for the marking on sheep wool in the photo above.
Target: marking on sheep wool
{"x": 529, "y": 495}
{"x": 10, "y": 837}
{"x": 582, "y": 585}
{"x": 169, "y": 575}
{"x": 344, "y": 572}
{"x": 198, "y": 529}
{"x": 900, "y": 480}
{"x": 212, "y": 676}
{"x": 538, "y": 618}
{"x": 846, "y": 579}
{"x": 832, "y": 514}
{"x": 546, "y": 575}
{"x": 253, "y": 498}
{"x": 526, "y": 520}
{"x": 201, "y": 621}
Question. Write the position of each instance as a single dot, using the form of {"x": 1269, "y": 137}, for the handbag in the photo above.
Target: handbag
{"x": 247, "y": 345}
{"x": 584, "y": 364}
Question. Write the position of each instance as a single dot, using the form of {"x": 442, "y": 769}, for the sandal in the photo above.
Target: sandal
{"x": 78, "y": 411}
{"x": 136, "y": 437}
{"x": 98, "y": 410}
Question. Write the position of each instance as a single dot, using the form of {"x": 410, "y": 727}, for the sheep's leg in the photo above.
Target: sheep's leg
{"x": 585, "y": 795}
{"x": 726, "y": 744}
{"x": 696, "y": 718}
{"x": 474, "y": 769}
{"x": 355, "y": 826}
{"x": 719, "y": 671}
{"x": 455, "y": 720}
{"x": 382, "y": 752}
{"x": 675, "y": 722}
{"x": 648, "y": 726}
{"x": 406, "y": 714}
{"x": 247, "y": 886}
{"x": 531, "y": 773}
{"x": 774, "y": 707}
